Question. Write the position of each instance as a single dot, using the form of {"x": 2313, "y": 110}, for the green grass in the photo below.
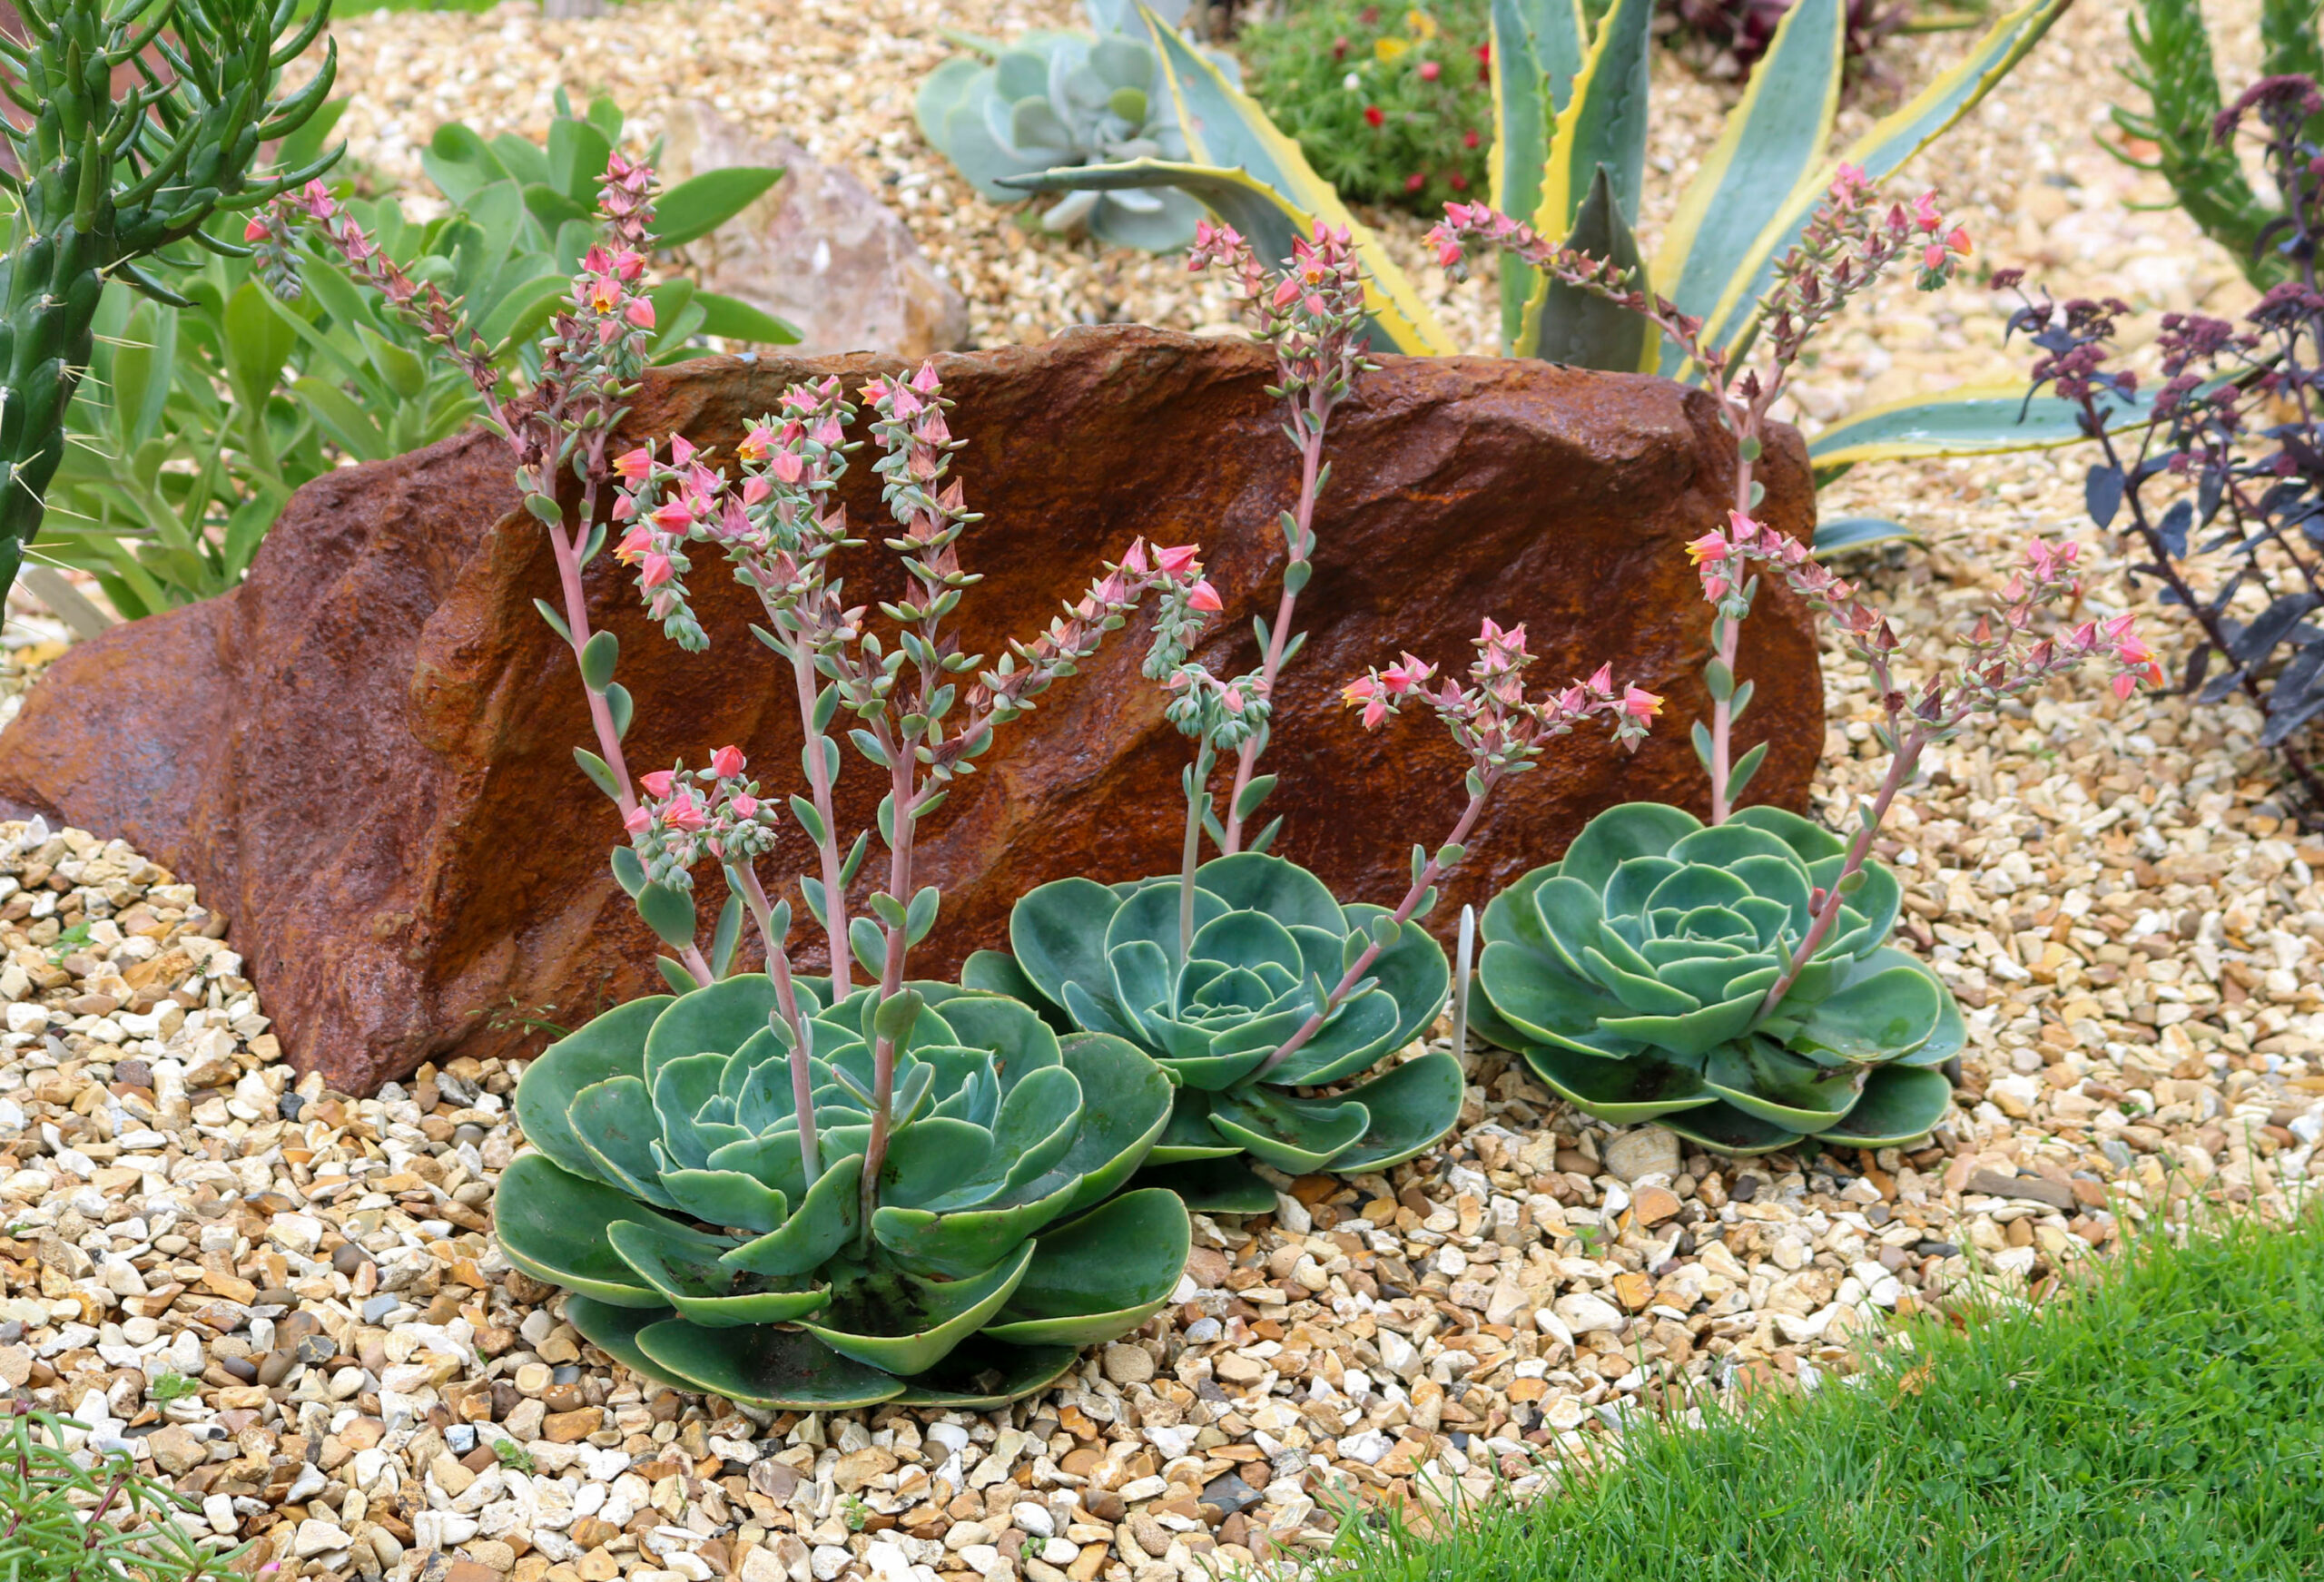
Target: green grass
{"x": 2165, "y": 1424}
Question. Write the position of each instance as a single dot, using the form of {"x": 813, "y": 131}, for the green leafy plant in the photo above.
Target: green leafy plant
{"x": 2174, "y": 71}
{"x": 200, "y": 420}
{"x": 101, "y": 183}
{"x": 1055, "y": 99}
{"x": 783, "y": 1189}
{"x": 172, "y": 1387}
{"x": 1733, "y": 980}
{"x": 77, "y": 1517}
{"x": 1568, "y": 150}
{"x": 1390, "y": 105}
{"x": 512, "y": 1455}
{"x": 1243, "y": 977}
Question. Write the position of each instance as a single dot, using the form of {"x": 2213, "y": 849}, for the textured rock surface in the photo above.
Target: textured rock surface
{"x": 363, "y": 755}
{"x": 819, "y": 250}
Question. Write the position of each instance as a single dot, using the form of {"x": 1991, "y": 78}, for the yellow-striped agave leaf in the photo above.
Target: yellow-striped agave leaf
{"x": 1966, "y": 421}
{"x": 1880, "y": 152}
{"x": 1538, "y": 46}
{"x": 1774, "y": 139}
{"x": 1227, "y": 130}
{"x": 1583, "y": 329}
{"x": 1602, "y": 126}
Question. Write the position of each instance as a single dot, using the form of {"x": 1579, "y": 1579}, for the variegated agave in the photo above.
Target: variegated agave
{"x": 1268, "y": 940}
{"x": 1633, "y": 976}
{"x": 669, "y": 1194}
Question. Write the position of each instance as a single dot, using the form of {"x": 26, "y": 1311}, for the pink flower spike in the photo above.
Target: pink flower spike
{"x": 1744, "y": 528}
{"x": 673, "y": 517}
{"x": 2124, "y": 685}
{"x": 1176, "y": 558}
{"x": 640, "y": 313}
{"x": 1601, "y": 681}
{"x": 1710, "y": 546}
{"x": 1374, "y": 713}
{"x": 657, "y": 784}
{"x": 1406, "y": 673}
{"x": 656, "y": 570}
{"x": 755, "y": 490}
{"x": 634, "y": 465}
{"x": 1205, "y": 598}
{"x": 1640, "y": 704}
{"x": 637, "y": 820}
{"x": 790, "y": 466}
{"x": 1934, "y": 255}
{"x": 681, "y": 450}
{"x": 1924, "y": 214}
{"x": 256, "y": 230}
{"x": 925, "y": 382}
{"x": 686, "y": 814}
{"x": 744, "y": 807}
{"x": 727, "y": 763}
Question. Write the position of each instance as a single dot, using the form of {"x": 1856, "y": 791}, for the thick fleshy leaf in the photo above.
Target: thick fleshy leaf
{"x": 612, "y": 1044}
{"x": 1411, "y": 1106}
{"x": 1877, "y": 901}
{"x": 1971, "y": 421}
{"x": 1225, "y": 128}
{"x": 1619, "y": 1092}
{"x": 912, "y": 1321}
{"x": 728, "y": 1197}
{"x": 1058, "y": 935}
{"x": 1510, "y": 916}
{"x": 717, "y": 1017}
{"x": 766, "y": 1366}
{"x": 1246, "y": 940}
{"x": 1951, "y": 1037}
{"x": 1008, "y": 1028}
{"x": 998, "y": 972}
{"x": 618, "y": 1129}
{"x": 1212, "y": 1185}
{"x": 1364, "y": 1028}
{"x": 1258, "y": 882}
{"x": 1568, "y": 913}
{"x": 1580, "y": 328}
{"x": 1771, "y": 140}
{"x": 614, "y": 1330}
{"x": 1126, "y": 1103}
{"x": 926, "y": 1159}
{"x": 552, "y": 1225}
{"x": 959, "y": 1244}
{"x": 983, "y": 1375}
{"x": 1189, "y": 1134}
{"x": 824, "y": 1221}
{"x": 1809, "y": 840}
{"x": 1296, "y": 1135}
{"x": 1631, "y": 830}
{"x": 1880, "y": 1017}
{"x": 1765, "y": 1080}
{"x": 1603, "y": 124}
{"x": 1626, "y": 894}
{"x": 1724, "y": 845}
{"x": 1879, "y": 153}
{"x": 1100, "y": 1276}
{"x": 1901, "y": 1104}
{"x": 1640, "y": 994}
{"x": 1723, "y": 1129}
{"x": 683, "y": 1265}
{"x": 1546, "y": 1004}
{"x": 1696, "y": 1031}
{"x": 682, "y": 1088}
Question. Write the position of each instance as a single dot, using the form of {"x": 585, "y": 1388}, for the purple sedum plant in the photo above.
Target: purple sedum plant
{"x": 1732, "y": 981}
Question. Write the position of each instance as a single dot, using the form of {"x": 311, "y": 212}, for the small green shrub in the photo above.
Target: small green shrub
{"x": 106, "y": 1522}
{"x": 1391, "y": 104}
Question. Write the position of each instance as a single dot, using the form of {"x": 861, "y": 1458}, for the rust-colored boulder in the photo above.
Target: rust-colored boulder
{"x": 363, "y": 755}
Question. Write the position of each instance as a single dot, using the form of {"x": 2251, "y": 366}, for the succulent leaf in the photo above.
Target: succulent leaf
{"x": 1001, "y": 1132}
{"x": 1268, "y": 947}
{"x": 1634, "y": 975}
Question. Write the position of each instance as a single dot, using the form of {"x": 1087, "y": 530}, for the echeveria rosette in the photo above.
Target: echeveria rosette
{"x": 1633, "y": 976}
{"x": 668, "y": 1193}
{"x": 1268, "y": 940}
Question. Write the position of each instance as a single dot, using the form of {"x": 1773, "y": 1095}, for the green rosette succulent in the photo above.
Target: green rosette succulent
{"x": 1633, "y": 976}
{"x": 1267, "y": 943}
{"x": 670, "y": 1196}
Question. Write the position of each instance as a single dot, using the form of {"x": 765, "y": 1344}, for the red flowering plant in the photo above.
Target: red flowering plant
{"x": 1732, "y": 981}
{"x": 776, "y": 1187}
{"x": 1243, "y": 977}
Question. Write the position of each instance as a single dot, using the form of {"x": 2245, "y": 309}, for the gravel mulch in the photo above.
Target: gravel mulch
{"x": 287, "y": 1299}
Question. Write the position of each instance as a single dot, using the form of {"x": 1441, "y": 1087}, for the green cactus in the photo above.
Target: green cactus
{"x": 1268, "y": 936}
{"x": 1633, "y": 975}
{"x": 672, "y": 1197}
{"x": 106, "y": 182}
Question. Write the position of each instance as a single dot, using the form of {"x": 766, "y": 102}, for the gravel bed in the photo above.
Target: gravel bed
{"x": 287, "y": 1299}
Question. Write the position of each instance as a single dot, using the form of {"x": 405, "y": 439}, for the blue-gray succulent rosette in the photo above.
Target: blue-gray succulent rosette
{"x": 1269, "y": 941}
{"x": 669, "y": 1194}
{"x": 1633, "y": 976}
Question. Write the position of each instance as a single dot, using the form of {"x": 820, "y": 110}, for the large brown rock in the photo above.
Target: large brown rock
{"x": 364, "y": 754}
